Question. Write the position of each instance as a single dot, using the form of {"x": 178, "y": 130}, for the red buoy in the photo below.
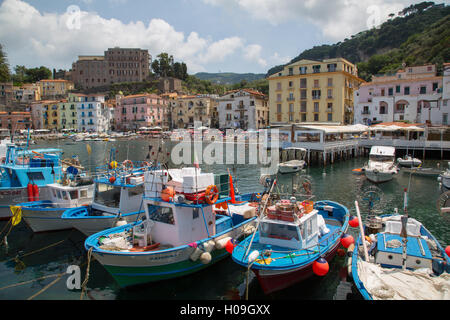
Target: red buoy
{"x": 447, "y": 250}
{"x": 30, "y": 192}
{"x": 112, "y": 180}
{"x": 321, "y": 267}
{"x": 231, "y": 244}
{"x": 341, "y": 252}
{"x": 347, "y": 240}
{"x": 353, "y": 222}
{"x": 35, "y": 192}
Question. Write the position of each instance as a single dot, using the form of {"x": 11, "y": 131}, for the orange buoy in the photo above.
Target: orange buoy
{"x": 112, "y": 180}
{"x": 347, "y": 240}
{"x": 167, "y": 194}
{"x": 321, "y": 267}
{"x": 447, "y": 250}
{"x": 231, "y": 244}
{"x": 212, "y": 194}
{"x": 354, "y": 222}
{"x": 35, "y": 192}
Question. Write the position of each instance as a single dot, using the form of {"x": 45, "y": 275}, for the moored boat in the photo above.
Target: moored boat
{"x": 409, "y": 162}
{"x": 178, "y": 236}
{"x": 292, "y": 236}
{"x": 295, "y": 164}
{"x": 381, "y": 166}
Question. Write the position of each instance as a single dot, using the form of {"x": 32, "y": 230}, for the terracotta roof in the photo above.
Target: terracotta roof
{"x": 253, "y": 92}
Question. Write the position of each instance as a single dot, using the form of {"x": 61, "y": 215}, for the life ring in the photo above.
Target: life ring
{"x": 128, "y": 164}
{"x": 212, "y": 194}
{"x": 146, "y": 164}
{"x": 113, "y": 165}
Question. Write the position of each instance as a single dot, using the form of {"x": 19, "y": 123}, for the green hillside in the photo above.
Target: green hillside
{"x": 419, "y": 34}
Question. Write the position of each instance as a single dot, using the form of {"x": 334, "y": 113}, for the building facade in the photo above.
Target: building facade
{"x": 413, "y": 94}
{"x": 116, "y": 66}
{"x": 15, "y": 121}
{"x": 6, "y": 94}
{"x": 93, "y": 114}
{"x": 137, "y": 111}
{"x": 187, "y": 110}
{"x": 313, "y": 91}
{"x": 55, "y": 89}
{"x": 244, "y": 109}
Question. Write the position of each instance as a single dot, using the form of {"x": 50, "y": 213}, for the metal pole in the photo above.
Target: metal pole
{"x": 361, "y": 229}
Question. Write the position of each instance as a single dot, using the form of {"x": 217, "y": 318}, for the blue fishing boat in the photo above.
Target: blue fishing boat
{"x": 178, "y": 236}
{"x": 25, "y": 175}
{"x": 396, "y": 258}
{"x": 117, "y": 199}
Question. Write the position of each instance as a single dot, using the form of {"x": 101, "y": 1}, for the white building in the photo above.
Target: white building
{"x": 244, "y": 109}
{"x": 413, "y": 94}
{"x": 93, "y": 114}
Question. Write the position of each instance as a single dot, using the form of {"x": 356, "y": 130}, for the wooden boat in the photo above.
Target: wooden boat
{"x": 381, "y": 166}
{"x": 383, "y": 275}
{"x": 117, "y": 197}
{"x": 397, "y": 258}
{"x": 42, "y": 216}
{"x": 291, "y": 237}
{"x": 178, "y": 237}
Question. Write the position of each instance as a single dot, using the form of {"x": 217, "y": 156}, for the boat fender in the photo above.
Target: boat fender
{"x": 328, "y": 208}
{"x": 30, "y": 192}
{"x": 210, "y": 246}
{"x": 350, "y": 250}
{"x": 220, "y": 244}
{"x": 249, "y": 230}
{"x": 36, "y": 192}
{"x": 205, "y": 258}
{"x": 121, "y": 222}
{"x": 196, "y": 254}
{"x": 253, "y": 256}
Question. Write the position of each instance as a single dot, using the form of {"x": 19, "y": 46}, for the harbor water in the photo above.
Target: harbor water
{"x": 44, "y": 255}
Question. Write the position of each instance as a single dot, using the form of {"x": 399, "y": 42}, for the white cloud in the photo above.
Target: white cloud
{"x": 253, "y": 53}
{"x": 336, "y": 19}
{"x": 55, "y": 40}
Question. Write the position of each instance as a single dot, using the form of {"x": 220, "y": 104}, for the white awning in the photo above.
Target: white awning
{"x": 356, "y": 128}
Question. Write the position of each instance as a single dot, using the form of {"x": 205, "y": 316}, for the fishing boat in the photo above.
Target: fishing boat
{"x": 409, "y": 162}
{"x": 117, "y": 198}
{"x": 381, "y": 166}
{"x": 294, "y": 165}
{"x": 444, "y": 179}
{"x": 43, "y": 216}
{"x": 292, "y": 237}
{"x": 399, "y": 259}
{"x": 178, "y": 237}
{"x": 425, "y": 172}
{"x": 24, "y": 172}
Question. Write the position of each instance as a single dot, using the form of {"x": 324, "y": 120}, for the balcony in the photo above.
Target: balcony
{"x": 365, "y": 112}
{"x": 290, "y": 99}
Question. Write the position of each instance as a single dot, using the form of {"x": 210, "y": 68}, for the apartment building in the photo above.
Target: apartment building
{"x": 115, "y": 66}
{"x": 50, "y": 116}
{"x": 93, "y": 114}
{"x": 244, "y": 109}
{"x": 412, "y": 94}
{"x": 142, "y": 110}
{"x": 15, "y": 121}
{"x": 27, "y": 93}
{"x": 313, "y": 91}
{"x": 187, "y": 110}
{"x": 55, "y": 89}
{"x": 6, "y": 94}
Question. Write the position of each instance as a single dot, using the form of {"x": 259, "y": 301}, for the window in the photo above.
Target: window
{"x": 291, "y": 97}
{"x": 330, "y": 117}
{"x": 303, "y": 70}
{"x": 279, "y": 97}
{"x": 316, "y": 107}
{"x": 279, "y": 108}
{"x": 435, "y": 86}
{"x": 445, "y": 118}
{"x": 35, "y": 176}
{"x": 406, "y": 90}
{"x": 316, "y": 117}
{"x": 303, "y": 106}
{"x": 397, "y": 89}
{"x": 291, "y": 84}
{"x": 391, "y": 91}
{"x": 303, "y": 94}
{"x": 107, "y": 195}
{"x": 423, "y": 90}
{"x": 330, "y": 93}
{"x": 316, "y": 94}
{"x": 316, "y": 69}
{"x": 383, "y": 110}
{"x": 291, "y": 71}
{"x": 304, "y": 117}
{"x": 161, "y": 214}
{"x": 278, "y": 85}
{"x": 316, "y": 84}
{"x": 303, "y": 83}
{"x": 330, "y": 82}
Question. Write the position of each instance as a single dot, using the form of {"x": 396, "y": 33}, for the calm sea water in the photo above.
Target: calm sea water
{"x": 224, "y": 280}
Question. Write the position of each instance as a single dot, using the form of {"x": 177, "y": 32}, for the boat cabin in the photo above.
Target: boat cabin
{"x": 303, "y": 232}
{"x": 124, "y": 195}
{"x": 70, "y": 197}
{"x": 382, "y": 154}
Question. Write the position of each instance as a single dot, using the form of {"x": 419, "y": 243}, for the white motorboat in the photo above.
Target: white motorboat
{"x": 444, "y": 179}
{"x": 295, "y": 164}
{"x": 381, "y": 166}
{"x": 409, "y": 162}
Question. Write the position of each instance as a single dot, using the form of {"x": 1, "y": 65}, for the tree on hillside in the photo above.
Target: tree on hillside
{"x": 164, "y": 66}
{"x": 25, "y": 75}
{"x": 4, "y": 67}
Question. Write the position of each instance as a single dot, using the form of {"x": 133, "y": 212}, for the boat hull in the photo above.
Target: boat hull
{"x": 379, "y": 177}
{"x": 276, "y": 280}
{"x": 10, "y": 197}
{"x": 130, "y": 269}
{"x": 445, "y": 183}
{"x": 43, "y": 220}
{"x": 91, "y": 225}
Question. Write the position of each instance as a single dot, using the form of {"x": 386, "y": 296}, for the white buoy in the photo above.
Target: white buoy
{"x": 253, "y": 256}
{"x": 205, "y": 258}
{"x": 220, "y": 244}
{"x": 196, "y": 254}
{"x": 121, "y": 222}
{"x": 209, "y": 246}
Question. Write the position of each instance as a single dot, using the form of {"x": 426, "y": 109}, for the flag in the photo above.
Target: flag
{"x": 232, "y": 195}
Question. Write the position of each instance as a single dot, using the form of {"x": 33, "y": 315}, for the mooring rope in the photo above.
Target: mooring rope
{"x": 83, "y": 285}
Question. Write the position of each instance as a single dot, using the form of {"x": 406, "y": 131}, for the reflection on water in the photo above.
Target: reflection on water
{"x": 224, "y": 280}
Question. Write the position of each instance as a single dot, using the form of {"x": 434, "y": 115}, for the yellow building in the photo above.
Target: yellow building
{"x": 55, "y": 88}
{"x": 313, "y": 91}
{"x": 51, "y": 118}
{"x": 187, "y": 110}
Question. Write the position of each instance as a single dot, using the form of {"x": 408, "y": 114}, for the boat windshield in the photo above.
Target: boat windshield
{"x": 107, "y": 195}
{"x": 381, "y": 158}
{"x": 278, "y": 231}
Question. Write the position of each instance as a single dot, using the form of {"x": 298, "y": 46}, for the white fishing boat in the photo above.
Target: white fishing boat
{"x": 294, "y": 165}
{"x": 42, "y": 216}
{"x": 117, "y": 198}
{"x": 444, "y": 179}
{"x": 381, "y": 166}
{"x": 178, "y": 237}
{"x": 409, "y": 162}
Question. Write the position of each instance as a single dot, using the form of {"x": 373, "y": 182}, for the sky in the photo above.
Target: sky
{"x": 242, "y": 36}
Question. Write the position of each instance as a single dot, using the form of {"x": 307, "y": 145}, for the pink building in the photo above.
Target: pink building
{"x": 412, "y": 95}
{"x": 15, "y": 121}
{"x": 142, "y": 110}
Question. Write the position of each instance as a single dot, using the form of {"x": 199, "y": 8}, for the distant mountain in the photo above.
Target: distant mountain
{"x": 419, "y": 34}
{"x": 229, "y": 78}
